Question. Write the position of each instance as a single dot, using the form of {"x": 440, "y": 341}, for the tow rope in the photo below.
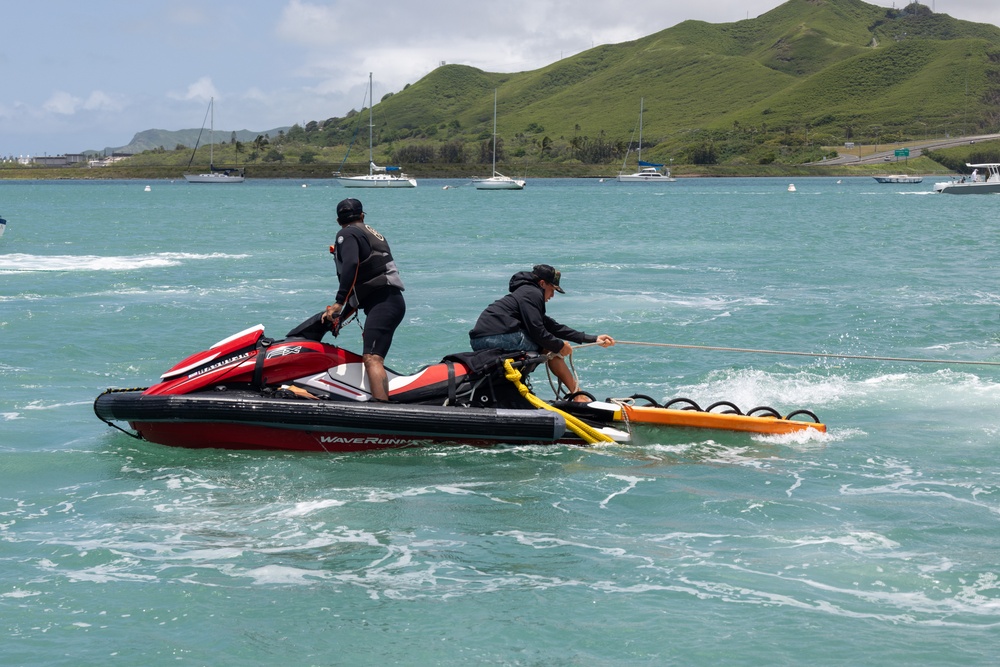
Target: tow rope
{"x": 589, "y": 434}
{"x": 800, "y": 354}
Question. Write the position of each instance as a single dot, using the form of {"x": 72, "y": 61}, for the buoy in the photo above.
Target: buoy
{"x": 148, "y": 189}
{"x": 791, "y": 187}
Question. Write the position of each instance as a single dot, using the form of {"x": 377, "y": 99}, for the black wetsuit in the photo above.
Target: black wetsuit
{"x": 523, "y": 309}
{"x": 370, "y": 280}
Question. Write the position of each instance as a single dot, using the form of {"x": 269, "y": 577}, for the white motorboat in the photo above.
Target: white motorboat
{"x": 377, "y": 177}
{"x": 215, "y": 174}
{"x": 498, "y": 181}
{"x": 649, "y": 172}
{"x": 899, "y": 178}
{"x": 985, "y": 183}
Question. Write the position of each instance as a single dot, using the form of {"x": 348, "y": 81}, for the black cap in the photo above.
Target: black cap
{"x": 349, "y": 210}
{"x": 549, "y": 275}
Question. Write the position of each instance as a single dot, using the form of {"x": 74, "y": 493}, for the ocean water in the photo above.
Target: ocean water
{"x": 874, "y": 544}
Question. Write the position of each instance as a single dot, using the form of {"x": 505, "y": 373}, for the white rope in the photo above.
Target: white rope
{"x": 801, "y": 354}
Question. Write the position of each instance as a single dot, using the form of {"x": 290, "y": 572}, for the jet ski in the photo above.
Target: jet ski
{"x": 249, "y": 391}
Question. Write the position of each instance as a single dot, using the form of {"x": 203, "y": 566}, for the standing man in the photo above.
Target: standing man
{"x": 369, "y": 280}
{"x": 517, "y": 321}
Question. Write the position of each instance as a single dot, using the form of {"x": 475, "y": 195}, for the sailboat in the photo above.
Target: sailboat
{"x": 498, "y": 181}
{"x": 215, "y": 175}
{"x": 378, "y": 177}
{"x": 649, "y": 172}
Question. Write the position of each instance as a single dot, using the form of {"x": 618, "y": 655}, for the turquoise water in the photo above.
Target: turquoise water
{"x": 873, "y": 544}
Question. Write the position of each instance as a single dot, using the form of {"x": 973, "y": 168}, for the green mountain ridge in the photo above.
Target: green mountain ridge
{"x": 775, "y": 87}
{"x": 148, "y": 140}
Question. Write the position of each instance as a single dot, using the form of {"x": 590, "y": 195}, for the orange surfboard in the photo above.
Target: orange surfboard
{"x": 727, "y": 422}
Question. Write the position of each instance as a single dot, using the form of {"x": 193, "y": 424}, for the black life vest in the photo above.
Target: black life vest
{"x": 375, "y": 271}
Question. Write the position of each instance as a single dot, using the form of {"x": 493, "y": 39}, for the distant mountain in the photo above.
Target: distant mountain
{"x": 170, "y": 139}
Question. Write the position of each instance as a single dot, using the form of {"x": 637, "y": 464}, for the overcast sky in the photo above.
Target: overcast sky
{"x": 87, "y": 74}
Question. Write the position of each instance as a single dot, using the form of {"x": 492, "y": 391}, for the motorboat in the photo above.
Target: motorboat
{"x": 3, "y": 226}
{"x": 649, "y": 172}
{"x": 300, "y": 394}
{"x": 899, "y": 178}
{"x": 377, "y": 176}
{"x": 497, "y": 181}
{"x": 215, "y": 174}
{"x": 977, "y": 183}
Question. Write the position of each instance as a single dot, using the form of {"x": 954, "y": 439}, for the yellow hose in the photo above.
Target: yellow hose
{"x": 582, "y": 429}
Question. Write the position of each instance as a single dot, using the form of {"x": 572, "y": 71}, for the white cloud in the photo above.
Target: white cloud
{"x": 62, "y": 103}
{"x": 201, "y": 90}
{"x": 100, "y": 101}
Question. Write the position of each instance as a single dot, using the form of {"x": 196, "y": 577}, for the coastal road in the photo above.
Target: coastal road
{"x": 916, "y": 150}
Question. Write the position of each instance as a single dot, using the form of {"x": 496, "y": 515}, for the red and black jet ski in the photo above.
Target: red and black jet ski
{"x": 251, "y": 392}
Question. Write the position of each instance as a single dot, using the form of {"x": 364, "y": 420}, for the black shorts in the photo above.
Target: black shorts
{"x": 384, "y": 310}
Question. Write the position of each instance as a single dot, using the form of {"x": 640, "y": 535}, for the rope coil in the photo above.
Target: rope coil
{"x": 589, "y": 434}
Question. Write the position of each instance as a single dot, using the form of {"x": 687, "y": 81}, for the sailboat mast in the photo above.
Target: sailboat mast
{"x": 211, "y": 134}
{"x": 371, "y": 125}
{"x": 494, "y": 131}
{"x": 641, "y": 100}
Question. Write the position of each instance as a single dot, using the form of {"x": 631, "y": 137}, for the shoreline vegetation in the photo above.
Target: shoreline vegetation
{"x": 921, "y": 165}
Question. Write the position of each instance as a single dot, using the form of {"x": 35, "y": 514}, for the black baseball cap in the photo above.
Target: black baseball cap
{"x": 349, "y": 210}
{"x": 549, "y": 275}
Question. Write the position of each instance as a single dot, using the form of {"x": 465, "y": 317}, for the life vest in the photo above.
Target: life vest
{"x": 375, "y": 271}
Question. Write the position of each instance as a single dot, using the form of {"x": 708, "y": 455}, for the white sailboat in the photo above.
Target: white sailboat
{"x": 649, "y": 172}
{"x": 377, "y": 177}
{"x": 498, "y": 181}
{"x": 215, "y": 175}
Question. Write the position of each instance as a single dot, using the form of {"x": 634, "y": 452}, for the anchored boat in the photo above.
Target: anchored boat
{"x": 215, "y": 174}
{"x": 252, "y": 392}
{"x": 497, "y": 181}
{"x": 649, "y": 172}
{"x": 377, "y": 177}
{"x": 899, "y": 178}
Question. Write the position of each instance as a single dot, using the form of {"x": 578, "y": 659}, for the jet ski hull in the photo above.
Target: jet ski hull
{"x": 231, "y": 420}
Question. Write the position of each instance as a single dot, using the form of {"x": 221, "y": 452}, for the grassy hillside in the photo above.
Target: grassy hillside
{"x": 773, "y": 89}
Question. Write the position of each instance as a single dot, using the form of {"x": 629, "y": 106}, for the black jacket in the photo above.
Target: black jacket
{"x": 524, "y": 309}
